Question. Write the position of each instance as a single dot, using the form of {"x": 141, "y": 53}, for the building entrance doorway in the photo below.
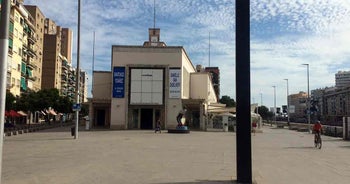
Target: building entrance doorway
{"x": 146, "y": 118}
{"x": 100, "y": 117}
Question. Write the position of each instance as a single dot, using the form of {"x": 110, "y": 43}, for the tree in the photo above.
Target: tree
{"x": 228, "y": 101}
{"x": 264, "y": 112}
{"x": 10, "y": 101}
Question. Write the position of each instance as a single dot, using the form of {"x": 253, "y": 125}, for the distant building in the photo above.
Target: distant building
{"x": 83, "y": 87}
{"x": 333, "y": 104}
{"x": 52, "y": 64}
{"x": 342, "y": 79}
{"x": 297, "y": 106}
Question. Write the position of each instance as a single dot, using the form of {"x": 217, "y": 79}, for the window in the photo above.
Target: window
{"x": 16, "y": 33}
{"x": 11, "y": 27}
{"x": 146, "y": 86}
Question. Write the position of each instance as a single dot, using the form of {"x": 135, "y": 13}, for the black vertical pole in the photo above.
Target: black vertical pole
{"x": 244, "y": 151}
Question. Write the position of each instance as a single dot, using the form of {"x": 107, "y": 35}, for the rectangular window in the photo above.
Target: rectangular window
{"x": 23, "y": 68}
{"x": 146, "y": 86}
{"x": 10, "y": 43}
{"x": 23, "y": 83}
{"x": 11, "y": 27}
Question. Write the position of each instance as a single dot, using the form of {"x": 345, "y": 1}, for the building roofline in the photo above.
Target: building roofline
{"x": 167, "y": 47}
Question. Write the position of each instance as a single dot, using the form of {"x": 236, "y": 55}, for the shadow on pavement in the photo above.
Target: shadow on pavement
{"x": 300, "y": 147}
{"x": 332, "y": 140}
{"x": 204, "y": 182}
{"x": 345, "y": 147}
{"x": 40, "y": 139}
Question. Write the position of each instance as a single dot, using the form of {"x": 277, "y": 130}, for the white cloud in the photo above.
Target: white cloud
{"x": 284, "y": 34}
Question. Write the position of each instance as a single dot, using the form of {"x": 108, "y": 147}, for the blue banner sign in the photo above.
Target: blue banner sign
{"x": 118, "y": 82}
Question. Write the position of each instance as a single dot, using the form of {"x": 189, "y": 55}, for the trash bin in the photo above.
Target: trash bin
{"x": 72, "y": 131}
{"x": 225, "y": 127}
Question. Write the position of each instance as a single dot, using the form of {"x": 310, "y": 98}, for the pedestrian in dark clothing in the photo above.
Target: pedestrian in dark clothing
{"x": 158, "y": 127}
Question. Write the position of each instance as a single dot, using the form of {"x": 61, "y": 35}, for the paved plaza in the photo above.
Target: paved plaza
{"x": 280, "y": 156}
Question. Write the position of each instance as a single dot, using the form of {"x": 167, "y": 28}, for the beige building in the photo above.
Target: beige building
{"x": 83, "y": 87}
{"x": 297, "y": 106}
{"x": 66, "y": 56}
{"x": 17, "y": 42}
{"x": 37, "y": 61}
{"x": 148, "y": 83}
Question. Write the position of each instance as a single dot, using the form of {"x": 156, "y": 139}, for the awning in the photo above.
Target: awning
{"x": 21, "y": 113}
{"x": 13, "y": 113}
{"x": 52, "y": 112}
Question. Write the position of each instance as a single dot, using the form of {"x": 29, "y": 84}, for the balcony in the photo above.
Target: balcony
{"x": 31, "y": 39}
{"x": 30, "y": 63}
{"x": 31, "y": 52}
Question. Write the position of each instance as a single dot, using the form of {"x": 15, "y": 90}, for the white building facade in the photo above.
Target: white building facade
{"x": 148, "y": 83}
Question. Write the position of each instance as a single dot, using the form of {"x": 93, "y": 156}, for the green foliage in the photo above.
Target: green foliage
{"x": 228, "y": 101}
{"x": 264, "y": 112}
{"x": 37, "y": 101}
{"x": 10, "y": 101}
{"x": 84, "y": 110}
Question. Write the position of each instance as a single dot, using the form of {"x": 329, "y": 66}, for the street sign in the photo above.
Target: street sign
{"x": 76, "y": 107}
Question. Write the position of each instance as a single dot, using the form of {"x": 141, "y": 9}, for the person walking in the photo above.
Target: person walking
{"x": 158, "y": 127}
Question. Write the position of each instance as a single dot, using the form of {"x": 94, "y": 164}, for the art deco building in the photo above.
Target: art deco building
{"x": 149, "y": 83}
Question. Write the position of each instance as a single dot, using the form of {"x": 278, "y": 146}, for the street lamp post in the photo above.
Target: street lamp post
{"x": 287, "y": 101}
{"x": 308, "y": 97}
{"x": 274, "y": 104}
{"x": 77, "y": 85}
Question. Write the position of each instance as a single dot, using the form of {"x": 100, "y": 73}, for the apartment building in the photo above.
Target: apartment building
{"x": 22, "y": 50}
{"x": 38, "y": 22}
{"x": 83, "y": 86}
{"x": 52, "y": 60}
{"x": 66, "y": 53}
{"x": 342, "y": 79}
{"x": 297, "y": 106}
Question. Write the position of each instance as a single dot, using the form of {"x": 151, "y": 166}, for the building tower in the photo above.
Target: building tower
{"x": 38, "y": 22}
{"x": 52, "y": 62}
{"x": 66, "y": 53}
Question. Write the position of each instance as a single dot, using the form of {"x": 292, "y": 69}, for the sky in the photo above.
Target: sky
{"x": 284, "y": 36}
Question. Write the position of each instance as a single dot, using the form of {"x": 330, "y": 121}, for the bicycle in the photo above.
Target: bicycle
{"x": 318, "y": 141}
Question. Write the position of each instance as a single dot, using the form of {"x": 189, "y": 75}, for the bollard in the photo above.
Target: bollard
{"x": 335, "y": 131}
{"x": 72, "y": 131}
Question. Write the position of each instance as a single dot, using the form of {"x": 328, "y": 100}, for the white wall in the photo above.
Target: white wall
{"x": 202, "y": 88}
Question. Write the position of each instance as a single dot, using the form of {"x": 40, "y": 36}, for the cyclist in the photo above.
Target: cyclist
{"x": 317, "y": 129}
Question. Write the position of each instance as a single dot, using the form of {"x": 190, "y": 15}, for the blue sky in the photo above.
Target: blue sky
{"x": 284, "y": 35}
